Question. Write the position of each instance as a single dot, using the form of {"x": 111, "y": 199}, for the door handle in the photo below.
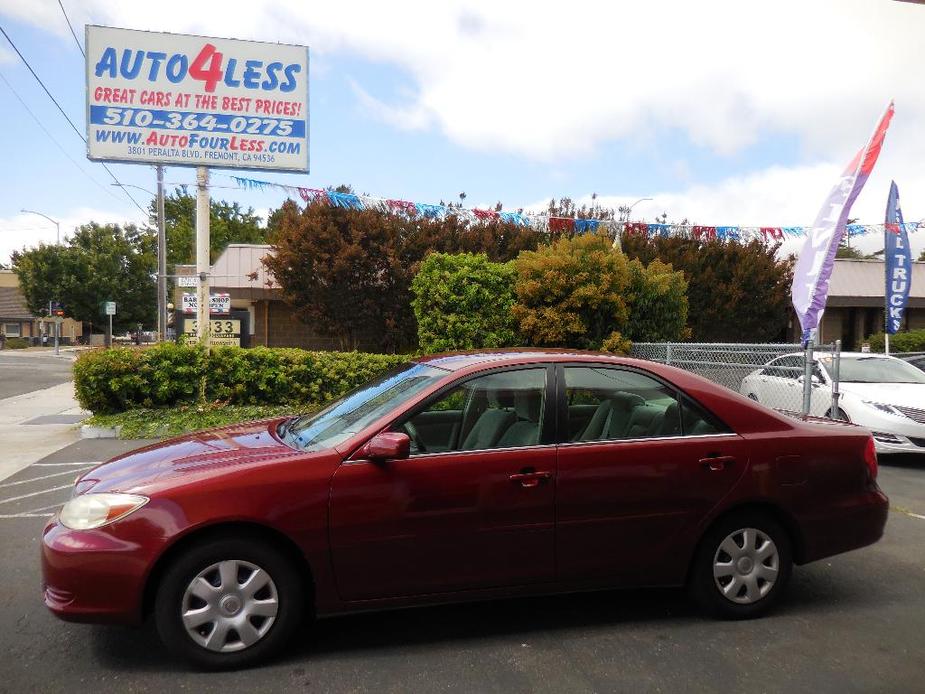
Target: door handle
{"x": 531, "y": 479}
{"x": 716, "y": 463}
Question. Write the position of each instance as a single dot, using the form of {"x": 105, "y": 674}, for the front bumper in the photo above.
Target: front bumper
{"x": 889, "y": 442}
{"x": 91, "y": 575}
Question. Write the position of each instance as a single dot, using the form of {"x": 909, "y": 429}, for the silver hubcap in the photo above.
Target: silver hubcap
{"x": 746, "y": 565}
{"x": 229, "y": 606}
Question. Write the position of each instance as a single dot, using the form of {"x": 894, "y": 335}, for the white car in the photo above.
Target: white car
{"x": 881, "y": 393}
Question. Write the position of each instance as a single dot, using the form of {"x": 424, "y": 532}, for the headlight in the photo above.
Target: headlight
{"x": 888, "y": 409}
{"x": 89, "y": 511}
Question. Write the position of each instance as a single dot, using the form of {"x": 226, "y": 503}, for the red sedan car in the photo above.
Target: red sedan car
{"x": 461, "y": 477}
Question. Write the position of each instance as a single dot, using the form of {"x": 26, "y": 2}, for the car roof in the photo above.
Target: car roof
{"x": 455, "y": 361}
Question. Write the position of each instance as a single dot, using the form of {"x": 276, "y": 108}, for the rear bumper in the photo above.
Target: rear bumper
{"x": 854, "y": 524}
{"x": 91, "y": 576}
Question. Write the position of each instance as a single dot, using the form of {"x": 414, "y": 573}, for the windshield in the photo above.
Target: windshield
{"x": 350, "y": 414}
{"x": 875, "y": 369}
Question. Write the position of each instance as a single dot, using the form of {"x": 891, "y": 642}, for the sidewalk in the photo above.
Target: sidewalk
{"x": 34, "y": 425}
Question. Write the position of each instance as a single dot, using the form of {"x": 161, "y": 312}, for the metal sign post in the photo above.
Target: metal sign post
{"x": 807, "y": 377}
{"x": 202, "y": 253}
{"x": 836, "y": 375}
{"x": 161, "y": 259}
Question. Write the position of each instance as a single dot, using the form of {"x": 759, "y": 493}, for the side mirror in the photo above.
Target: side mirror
{"x": 389, "y": 445}
{"x": 814, "y": 380}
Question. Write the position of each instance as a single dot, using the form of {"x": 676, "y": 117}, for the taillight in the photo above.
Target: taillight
{"x": 870, "y": 457}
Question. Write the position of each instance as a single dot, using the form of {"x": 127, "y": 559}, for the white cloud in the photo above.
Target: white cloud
{"x": 29, "y": 230}
{"x": 553, "y": 82}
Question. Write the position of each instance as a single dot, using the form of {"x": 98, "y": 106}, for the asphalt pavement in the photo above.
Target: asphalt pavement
{"x": 852, "y": 623}
{"x": 27, "y": 371}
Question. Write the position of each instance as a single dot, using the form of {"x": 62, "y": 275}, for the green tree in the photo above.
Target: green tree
{"x": 737, "y": 292}
{"x": 657, "y": 303}
{"x": 463, "y": 301}
{"x": 572, "y": 293}
{"x": 99, "y": 263}
{"x": 41, "y": 271}
{"x": 348, "y": 272}
{"x": 228, "y": 223}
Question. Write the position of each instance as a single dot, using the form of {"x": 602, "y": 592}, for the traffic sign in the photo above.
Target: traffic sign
{"x": 109, "y": 308}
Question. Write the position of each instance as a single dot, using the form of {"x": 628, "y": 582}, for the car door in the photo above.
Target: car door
{"x": 648, "y": 467}
{"x": 777, "y": 383}
{"x": 475, "y": 510}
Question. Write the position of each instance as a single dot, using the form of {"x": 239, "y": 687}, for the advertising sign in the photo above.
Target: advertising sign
{"x": 177, "y": 99}
{"x": 218, "y": 303}
{"x": 223, "y": 333}
{"x": 898, "y": 257}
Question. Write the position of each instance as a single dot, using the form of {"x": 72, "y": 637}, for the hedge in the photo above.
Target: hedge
{"x": 115, "y": 380}
{"x": 908, "y": 341}
{"x": 15, "y": 343}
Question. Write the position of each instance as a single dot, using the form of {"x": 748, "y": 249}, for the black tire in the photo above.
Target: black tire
{"x": 708, "y": 590}
{"x": 285, "y": 587}
{"x": 752, "y": 396}
{"x": 839, "y": 415}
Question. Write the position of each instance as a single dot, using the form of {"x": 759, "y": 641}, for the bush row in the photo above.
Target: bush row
{"x": 120, "y": 379}
{"x": 909, "y": 341}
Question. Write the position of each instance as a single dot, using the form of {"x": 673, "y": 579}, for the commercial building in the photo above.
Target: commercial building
{"x": 271, "y": 322}
{"x": 17, "y": 321}
{"x": 855, "y": 307}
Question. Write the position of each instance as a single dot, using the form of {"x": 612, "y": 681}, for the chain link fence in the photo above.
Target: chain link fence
{"x": 772, "y": 374}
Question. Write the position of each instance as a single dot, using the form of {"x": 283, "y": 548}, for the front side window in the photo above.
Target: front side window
{"x": 353, "y": 412}
{"x": 606, "y": 404}
{"x": 499, "y": 410}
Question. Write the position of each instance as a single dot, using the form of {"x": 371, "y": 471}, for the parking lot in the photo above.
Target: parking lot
{"x": 853, "y": 623}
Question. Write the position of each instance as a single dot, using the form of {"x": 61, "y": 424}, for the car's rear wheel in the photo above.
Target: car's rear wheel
{"x": 228, "y": 603}
{"x": 742, "y": 566}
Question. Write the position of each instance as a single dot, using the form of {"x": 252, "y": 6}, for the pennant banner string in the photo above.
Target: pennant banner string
{"x": 549, "y": 223}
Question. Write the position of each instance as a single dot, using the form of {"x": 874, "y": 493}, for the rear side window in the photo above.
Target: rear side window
{"x": 607, "y": 404}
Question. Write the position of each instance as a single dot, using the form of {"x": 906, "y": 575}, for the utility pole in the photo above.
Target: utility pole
{"x": 161, "y": 259}
{"x": 202, "y": 254}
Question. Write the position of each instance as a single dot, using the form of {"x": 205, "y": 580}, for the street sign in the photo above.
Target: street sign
{"x": 178, "y": 99}
{"x": 218, "y": 303}
{"x": 188, "y": 281}
{"x": 109, "y": 308}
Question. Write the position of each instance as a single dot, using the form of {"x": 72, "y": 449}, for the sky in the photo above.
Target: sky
{"x": 721, "y": 112}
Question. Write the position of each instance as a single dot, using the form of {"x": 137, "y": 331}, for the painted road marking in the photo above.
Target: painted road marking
{"x": 26, "y": 496}
{"x": 907, "y": 512}
{"x": 89, "y": 462}
{"x": 44, "y": 477}
{"x": 7, "y": 516}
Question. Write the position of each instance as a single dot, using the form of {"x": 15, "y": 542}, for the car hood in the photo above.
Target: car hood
{"x": 903, "y": 394}
{"x": 204, "y": 453}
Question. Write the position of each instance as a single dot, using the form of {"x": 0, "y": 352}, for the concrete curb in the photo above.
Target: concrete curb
{"x": 91, "y": 432}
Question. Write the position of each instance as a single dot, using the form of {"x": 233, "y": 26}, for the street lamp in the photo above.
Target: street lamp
{"x": 53, "y": 221}
{"x": 57, "y": 224}
{"x": 629, "y": 212}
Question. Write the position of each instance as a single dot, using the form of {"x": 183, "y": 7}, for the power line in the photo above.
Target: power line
{"x": 79, "y": 47}
{"x": 68, "y": 119}
{"x": 52, "y": 137}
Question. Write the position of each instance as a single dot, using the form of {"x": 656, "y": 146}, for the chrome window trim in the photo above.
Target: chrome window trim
{"x": 412, "y": 456}
{"x": 723, "y": 434}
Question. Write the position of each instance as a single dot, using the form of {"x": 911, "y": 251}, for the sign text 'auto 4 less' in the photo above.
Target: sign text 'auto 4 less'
{"x": 191, "y": 100}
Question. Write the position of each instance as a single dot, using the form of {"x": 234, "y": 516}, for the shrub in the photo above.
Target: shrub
{"x": 908, "y": 341}
{"x": 463, "y": 301}
{"x": 572, "y": 293}
{"x": 167, "y": 375}
{"x": 657, "y": 303}
{"x": 15, "y": 343}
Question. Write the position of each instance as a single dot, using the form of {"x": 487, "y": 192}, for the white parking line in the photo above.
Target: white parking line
{"x": 7, "y": 516}
{"x": 26, "y": 496}
{"x": 44, "y": 477}
{"x": 89, "y": 462}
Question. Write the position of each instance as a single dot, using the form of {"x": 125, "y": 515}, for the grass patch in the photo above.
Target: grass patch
{"x": 159, "y": 423}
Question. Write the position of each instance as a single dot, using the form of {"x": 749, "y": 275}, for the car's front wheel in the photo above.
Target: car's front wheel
{"x": 228, "y": 603}
{"x": 742, "y": 566}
